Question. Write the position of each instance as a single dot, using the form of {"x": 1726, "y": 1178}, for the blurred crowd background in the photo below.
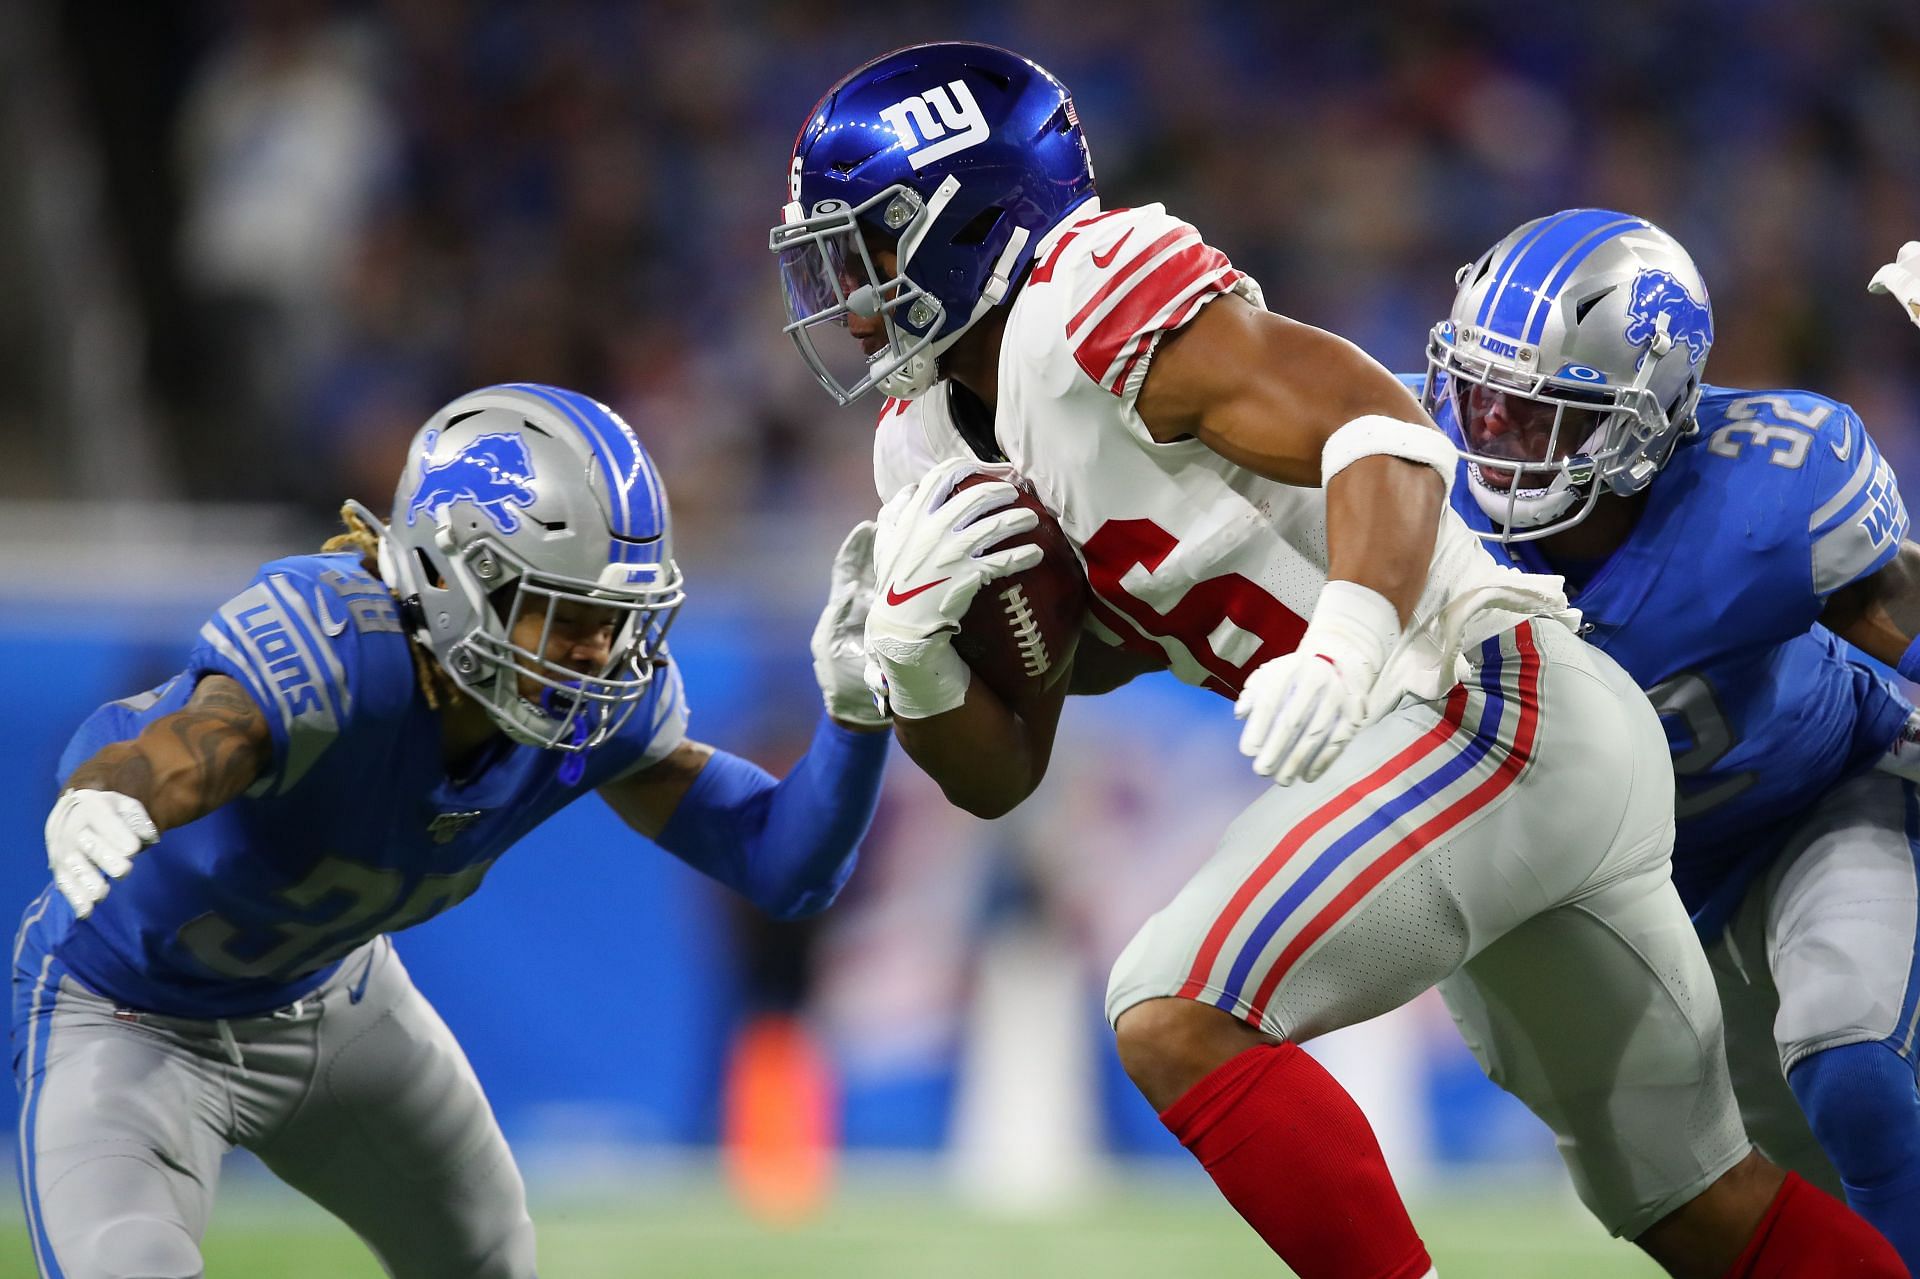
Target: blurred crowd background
{"x": 317, "y": 220}
{"x": 246, "y": 248}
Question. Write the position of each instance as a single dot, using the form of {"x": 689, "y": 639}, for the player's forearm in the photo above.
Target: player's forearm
{"x": 174, "y": 792}
{"x": 185, "y": 765}
{"x": 1881, "y": 614}
{"x": 985, "y": 758}
{"x": 1383, "y": 516}
{"x": 787, "y": 845}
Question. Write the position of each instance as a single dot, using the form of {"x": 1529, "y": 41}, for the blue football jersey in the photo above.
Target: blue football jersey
{"x": 1778, "y": 500}
{"x": 354, "y": 829}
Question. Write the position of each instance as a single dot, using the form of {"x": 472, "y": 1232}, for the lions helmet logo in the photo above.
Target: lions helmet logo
{"x": 1657, "y": 293}
{"x": 493, "y": 472}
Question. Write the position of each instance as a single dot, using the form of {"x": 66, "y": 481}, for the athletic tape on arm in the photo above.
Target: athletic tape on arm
{"x": 1375, "y": 434}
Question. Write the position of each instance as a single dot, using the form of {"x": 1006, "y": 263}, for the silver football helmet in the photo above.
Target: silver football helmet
{"x": 518, "y": 502}
{"x": 1572, "y": 360}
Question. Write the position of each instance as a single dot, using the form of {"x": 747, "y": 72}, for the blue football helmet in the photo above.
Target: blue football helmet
{"x": 959, "y": 155}
{"x": 1573, "y": 359}
{"x": 524, "y": 499}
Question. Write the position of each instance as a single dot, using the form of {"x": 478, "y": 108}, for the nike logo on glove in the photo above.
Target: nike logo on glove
{"x": 901, "y": 597}
{"x": 1103, "y": 261}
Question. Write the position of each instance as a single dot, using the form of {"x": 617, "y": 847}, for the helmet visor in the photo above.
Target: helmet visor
{"x": 845, "y": 320}
{"x": 1536, "y": 436}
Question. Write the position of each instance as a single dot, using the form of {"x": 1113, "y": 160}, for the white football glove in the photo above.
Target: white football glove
{"x": 93, "y": 835}
{"x": 840, "y": 636}
{"x": 1302, "y": 709}
{"x": 930, "y": 560}
{"x": 1901, "y": 278}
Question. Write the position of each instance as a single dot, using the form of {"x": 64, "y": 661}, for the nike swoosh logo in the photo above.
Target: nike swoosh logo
{"x": 327, "y": 622}
{"x": 1843, "y": 451}
{"x": 1106, "y": 260}
{"x": 356, "y": 991}
{"x": 901, "y": 597}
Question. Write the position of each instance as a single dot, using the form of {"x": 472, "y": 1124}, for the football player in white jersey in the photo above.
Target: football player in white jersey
{"x": 1465, "y": 789}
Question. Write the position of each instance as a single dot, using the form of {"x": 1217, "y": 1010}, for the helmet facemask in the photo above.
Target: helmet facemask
{"x": 1540, "y": 449}
{"x": 565, "y": 709}
{"x": 827, "y": 274}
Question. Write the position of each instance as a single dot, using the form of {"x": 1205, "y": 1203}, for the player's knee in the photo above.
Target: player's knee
{"x": 1169, "y": 1045}
{"x": 143, "y": 1248}
{"x": 1861, "y": 1102}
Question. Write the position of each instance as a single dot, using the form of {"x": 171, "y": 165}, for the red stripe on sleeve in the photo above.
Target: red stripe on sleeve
{"x": 1119, "y": 278}
{"x": 1181, "y": 314}
{"x": 1191, "y": 270}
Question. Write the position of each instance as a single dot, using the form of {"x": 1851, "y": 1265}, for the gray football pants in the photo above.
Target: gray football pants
{"x": 358, "y": 1097}
{"x": 1820, "y": 954}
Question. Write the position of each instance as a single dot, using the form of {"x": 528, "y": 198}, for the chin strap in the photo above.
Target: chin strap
{"x": 574, "y": 766}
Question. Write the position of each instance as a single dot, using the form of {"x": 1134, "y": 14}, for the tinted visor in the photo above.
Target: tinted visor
{"x": 1505, "y": 425}
{"x": 819, "y": 272}
{"x": 828, "y": 277}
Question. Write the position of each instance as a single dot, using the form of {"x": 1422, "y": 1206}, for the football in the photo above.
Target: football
{"x": 1019, "y": 631}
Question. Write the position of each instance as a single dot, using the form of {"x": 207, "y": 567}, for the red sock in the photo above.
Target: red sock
{"x": 1291, "y": 1151}
{"x": 1808, "y": 1234}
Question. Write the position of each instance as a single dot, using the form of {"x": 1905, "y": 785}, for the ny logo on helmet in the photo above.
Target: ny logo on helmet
{"x": 961, "y": 123}
{"x": 1657, "y": 293}
{"x": 492, "y": 471}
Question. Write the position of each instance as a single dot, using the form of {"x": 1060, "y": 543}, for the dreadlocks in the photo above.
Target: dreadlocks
{"x": 438, "y": 688}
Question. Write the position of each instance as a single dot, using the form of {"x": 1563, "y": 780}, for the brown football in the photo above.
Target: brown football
{"x": 1019, "y": 631}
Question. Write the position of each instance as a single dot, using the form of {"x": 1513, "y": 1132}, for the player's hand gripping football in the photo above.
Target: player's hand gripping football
{"x": 1302, "y": 709}
{"x": 1901, "y": 278}
{"x": 840, "y": 636}
{"x": 92, "y": 836}
{"x": 930, "y": 559}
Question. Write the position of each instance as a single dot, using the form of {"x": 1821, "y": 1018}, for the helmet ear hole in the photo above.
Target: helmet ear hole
{"x": 427, "y": 572}
{"x": 1580, "y": 311}
{"x": 979, "y": 227}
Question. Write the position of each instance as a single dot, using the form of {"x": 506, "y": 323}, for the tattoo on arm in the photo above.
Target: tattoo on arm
{"x": 185, "y": 765}
{"x": 119, "y": 767}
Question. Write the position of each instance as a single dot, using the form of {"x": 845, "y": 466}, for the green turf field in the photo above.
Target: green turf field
{"x": 691, "y": 1230}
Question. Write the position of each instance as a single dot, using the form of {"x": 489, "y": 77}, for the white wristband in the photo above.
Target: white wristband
{"x": 1375, "y": 434}
{"x": 1354, "y": 624}
{"x": 931, "y": 681}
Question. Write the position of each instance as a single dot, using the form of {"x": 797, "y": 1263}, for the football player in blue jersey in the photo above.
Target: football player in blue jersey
{"x": 354, "y": 740}
{"x": 1724, "y": 546}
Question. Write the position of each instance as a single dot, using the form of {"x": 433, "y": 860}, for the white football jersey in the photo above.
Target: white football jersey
{"x": 1209, "y": 563}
